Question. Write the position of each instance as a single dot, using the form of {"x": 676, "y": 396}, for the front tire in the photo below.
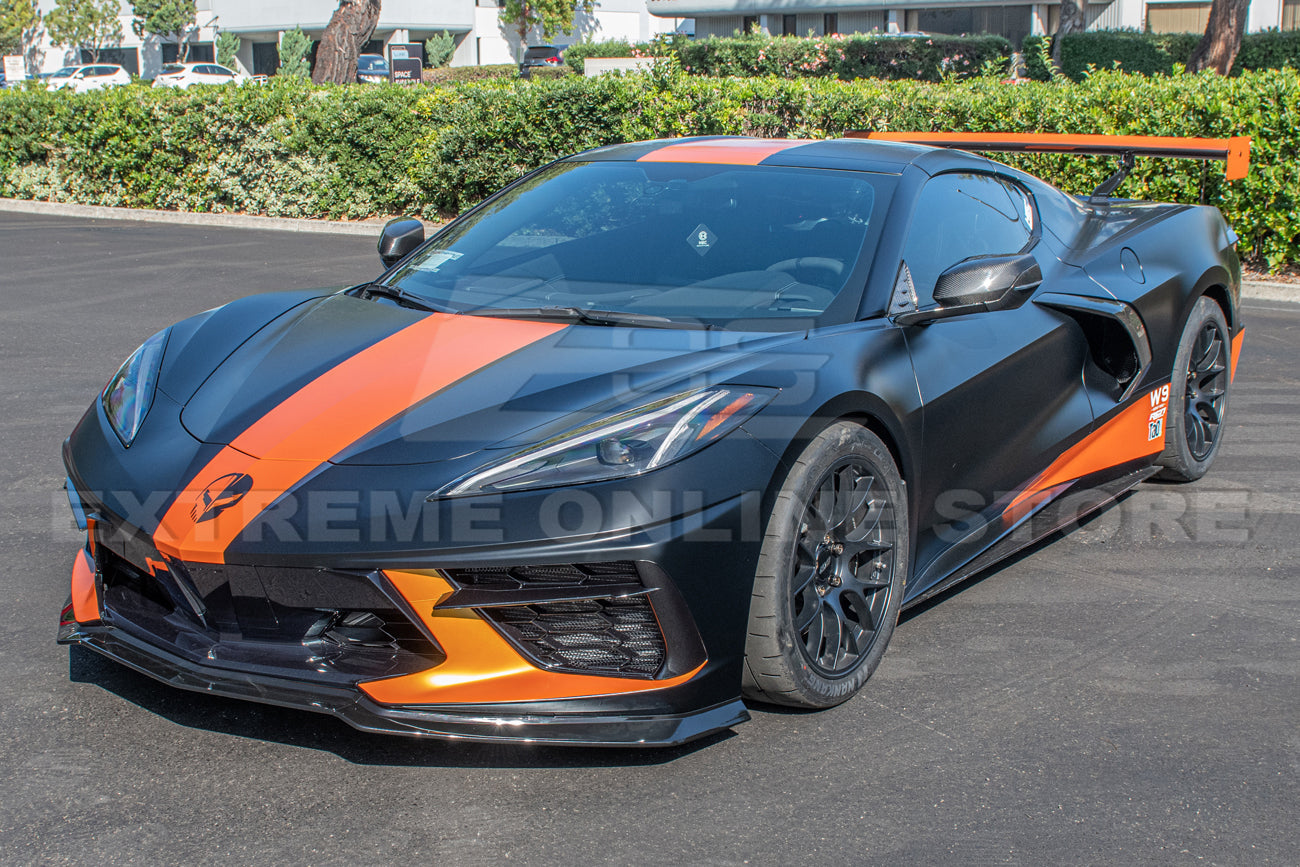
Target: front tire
{"x": 830, "y": 575}
{"x": 1198, "y": 403}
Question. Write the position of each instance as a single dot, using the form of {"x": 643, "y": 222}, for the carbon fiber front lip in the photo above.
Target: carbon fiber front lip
{"x": 358, "y": 711}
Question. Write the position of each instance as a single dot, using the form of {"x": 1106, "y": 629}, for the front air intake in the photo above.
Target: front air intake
{"x": 618, "y": 636}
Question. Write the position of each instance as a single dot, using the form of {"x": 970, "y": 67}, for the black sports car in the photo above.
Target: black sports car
{"x": 658, "y": 427}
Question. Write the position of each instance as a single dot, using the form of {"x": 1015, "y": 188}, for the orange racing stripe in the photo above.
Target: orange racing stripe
{"x": 330, "y": 413}
{"x": 721, "y": 151}
{"x": 481, "y": 666}
{"x": 1125, "y": 437}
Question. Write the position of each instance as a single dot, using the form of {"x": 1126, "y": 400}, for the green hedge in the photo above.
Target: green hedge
{"x": 575, "y": 54}
{"x": 290, "y": 149}
{"x": 1158, "y": 53}
{"x": 845, "y": 57}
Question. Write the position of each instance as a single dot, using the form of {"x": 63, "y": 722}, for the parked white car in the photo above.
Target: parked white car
{"x": 183, "y": 75}
{"x": 95, "y": 76}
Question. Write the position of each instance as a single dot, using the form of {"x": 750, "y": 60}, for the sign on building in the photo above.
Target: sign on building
{"x": 15, "y": 69}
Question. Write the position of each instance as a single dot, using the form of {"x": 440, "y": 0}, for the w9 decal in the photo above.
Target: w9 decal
{"x": 1159, "y": 411}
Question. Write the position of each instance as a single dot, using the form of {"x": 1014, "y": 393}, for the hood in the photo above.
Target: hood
{"x": 364, "y": 382}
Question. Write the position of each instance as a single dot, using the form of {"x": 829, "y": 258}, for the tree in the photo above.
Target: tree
{"x": 166, "y": 19}
{"x": 350, "y": 27}
{"x": 439, "y": 48}
{"x": 17, "y": 17}
{"x": 1072, "y": 21}
{"x": 1222, "y": 40}
{"x": 294, "y": 45}
{"x": 227, "y": 48}
{"x": 90, "y": 24}
{"x": 552, "y": 17}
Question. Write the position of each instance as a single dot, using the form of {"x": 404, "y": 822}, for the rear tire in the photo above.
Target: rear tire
{"x": 1198, "y": 402}
{"x": 830, "y": 575}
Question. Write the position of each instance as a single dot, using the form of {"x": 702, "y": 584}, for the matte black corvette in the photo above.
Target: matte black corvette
{"x": 657, "y": 427}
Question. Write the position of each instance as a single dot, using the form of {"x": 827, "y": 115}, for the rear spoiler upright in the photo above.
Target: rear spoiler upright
{"x": 1234, "y": 151}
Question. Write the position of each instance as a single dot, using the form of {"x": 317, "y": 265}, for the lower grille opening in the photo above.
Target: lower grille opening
{"x": 618, "y": 636}
{"x": 565, "y": 574}
{"x": 306, "y": 622}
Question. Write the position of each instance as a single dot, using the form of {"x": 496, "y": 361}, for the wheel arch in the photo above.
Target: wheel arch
{"x": 862, "y": 408}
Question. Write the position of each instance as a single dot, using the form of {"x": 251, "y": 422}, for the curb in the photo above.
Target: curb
{"x": 1253, "y": 289}
{"x": 185, "y": 218}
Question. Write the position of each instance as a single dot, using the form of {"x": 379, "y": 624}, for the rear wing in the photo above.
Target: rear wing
{"x": 1234, "y": 151}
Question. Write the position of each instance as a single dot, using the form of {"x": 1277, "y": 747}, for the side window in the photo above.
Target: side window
{"x": 960, "y": 215}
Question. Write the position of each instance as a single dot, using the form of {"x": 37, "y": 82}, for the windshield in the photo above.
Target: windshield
{"x": 65, "y": 72}
{"x": 368, "y": 63}
{"x": 685, "y": 241}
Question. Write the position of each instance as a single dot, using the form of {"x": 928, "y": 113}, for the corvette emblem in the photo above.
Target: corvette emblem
{"x": 220, "y": 494}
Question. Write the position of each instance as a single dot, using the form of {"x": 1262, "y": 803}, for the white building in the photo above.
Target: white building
{"x": 481, "y": 38}
{"x": 1015, "y": 21}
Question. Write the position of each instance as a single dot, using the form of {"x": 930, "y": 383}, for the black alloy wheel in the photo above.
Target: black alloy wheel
{"x": 830, "y": 574}
{"x": 842, "y": 572}
{"x": 1199, "y": 392}
{"x": 1207, "y": 388}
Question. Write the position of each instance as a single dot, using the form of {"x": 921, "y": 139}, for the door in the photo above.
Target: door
{"x": 1002, "y": 391}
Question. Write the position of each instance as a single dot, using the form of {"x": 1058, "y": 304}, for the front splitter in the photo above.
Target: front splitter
{"x": 357, "y": 710}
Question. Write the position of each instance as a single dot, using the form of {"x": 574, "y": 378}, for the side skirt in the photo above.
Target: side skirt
{"x": 1052, "y": 516}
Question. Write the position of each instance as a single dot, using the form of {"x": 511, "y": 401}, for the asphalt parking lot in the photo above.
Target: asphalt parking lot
{"x": 1129, "y": 693}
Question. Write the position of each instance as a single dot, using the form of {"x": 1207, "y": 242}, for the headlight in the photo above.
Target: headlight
{"x": 626, "y": 444}
{"x": 129, "y": 394}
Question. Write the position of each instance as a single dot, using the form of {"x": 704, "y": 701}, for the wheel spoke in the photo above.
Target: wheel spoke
{"x": 1195, "y": 432}
{"x": 813, "y": 640}
{"x": 812, "y": 604}
{"x": 803, "y": 578}
{"x": 834, "y": 637}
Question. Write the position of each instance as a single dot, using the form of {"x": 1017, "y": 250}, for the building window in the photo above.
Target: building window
{"x": 1177, "y": 17}
{"x": 749, "y": 24}
{"x": 1291, "y": 15}
{"x": 1012, "y": 22}
{"x": 790, "y": 25}
{"x": 830, "y": 23}
{"x": 200, "y": 52}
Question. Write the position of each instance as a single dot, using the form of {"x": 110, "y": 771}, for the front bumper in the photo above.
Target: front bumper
{"x": 493, "y": 724}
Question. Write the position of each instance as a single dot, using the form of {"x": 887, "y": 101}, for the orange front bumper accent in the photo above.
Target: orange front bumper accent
{"x": 85, "y": 599}
{"x": 482, "y": 667}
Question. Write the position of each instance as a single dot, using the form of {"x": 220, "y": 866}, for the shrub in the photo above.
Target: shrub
{"x": 929, "y": 58}
{"x": 576, "y": 54}
{"x": 228, "y": 44}
{"x": 294, "y": 46}
{"x": 1158, "y": 53}
{"x": 352, "y": 151}
{"x": 438, "y": 49}
{"x": 454, "y": 74}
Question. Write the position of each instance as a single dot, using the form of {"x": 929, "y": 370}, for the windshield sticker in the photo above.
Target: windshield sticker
{"x": 701, "y": 240}
{"x": 436, "y": 259}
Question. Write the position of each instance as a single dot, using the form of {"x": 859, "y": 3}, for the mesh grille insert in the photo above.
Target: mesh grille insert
{"x": 521, "y": 577}
{"x": 601, "y": 636}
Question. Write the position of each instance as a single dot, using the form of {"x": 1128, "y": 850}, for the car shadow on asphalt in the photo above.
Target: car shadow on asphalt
{"x": 299, "y": 728}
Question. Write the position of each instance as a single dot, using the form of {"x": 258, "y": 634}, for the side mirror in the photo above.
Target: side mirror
{"x": 979, "y": 284}
{"x": 399, "y": 238}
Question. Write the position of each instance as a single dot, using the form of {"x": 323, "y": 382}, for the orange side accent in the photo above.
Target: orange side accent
{"x": 85, "y": 600}
{"x": 1236, "y": 353}
{"x": 1235, "y": 151}
{"x": 333, "y": 411}
{"x": 721, "y": 151}
{"x": 1124, "y": 438}
{"x": 481, "y": 666}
